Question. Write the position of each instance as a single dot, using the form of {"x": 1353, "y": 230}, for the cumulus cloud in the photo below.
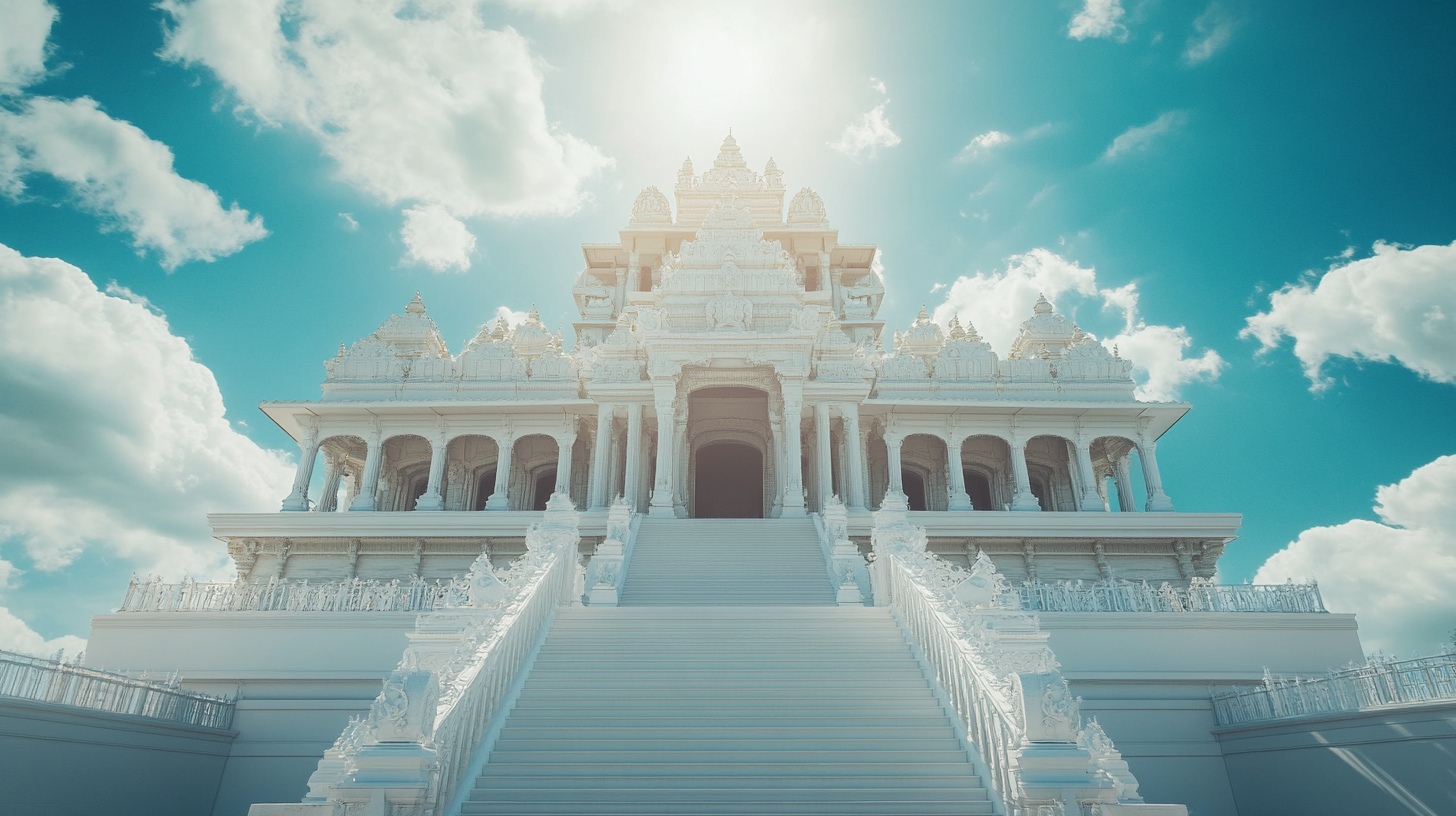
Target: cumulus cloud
{"x": 414, "y": 102}
{"x": 997, "y": 303}
{"x": 115, "y": 436}
{"x": 119, "y": 174}
{"x": 1396, "y": 573}
{"x": 1099, "y": 19}
{"x": 436, "y": 239}
{"x": 1139, "y": 139}
{"x": 563, "y": 9}
{"x": 870, "y": 133}
{"x": 512, "y": 317}
{"x": 1399, "y": 305}
{"x": 23, "y": 42}
{"x": 1211, "y": 32}
{"x": 981, "y": 145}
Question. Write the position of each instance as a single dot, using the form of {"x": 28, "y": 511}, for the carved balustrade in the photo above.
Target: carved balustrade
{"x": 1378, "y": 683}
{"x": 54, "y": 681}
{"x": 1201, "y": 595}
{"x": 277, "y": 595}
{"x": 992, "y": 661}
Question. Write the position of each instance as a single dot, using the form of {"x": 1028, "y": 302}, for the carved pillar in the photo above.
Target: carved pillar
{"x": 824, "y": 458}
{"x": 892, "y": 456}
{"x": 308, "y": 451}
{"x": 1090, "y": 500}
{"x": 1158, "y": 501}
{"x": 369, "y": 482}
{"x": 1104, "y": 569}
{"x": 664, "y": 398}
{"x": 634, "y": 272}
{"x": 680, "y": 458}
{"x": 631, "y": 478}
{"x": 824, "y": 260}
{"x": 793, "y": 491}
{"x": 1023, "y": 499}
{"x": 1028, "y": 554}
{"x": 600, "y": 457}
{"x": 1122, "y": 477}
{"x": 959, "y": 498}
{"x": 432, "y": 498}
{"x": 564, "y": 443}
{"x": 853, "y": 457}
{"x": 333, "y": 471}
{"x": 500, "y": 497}
{"x": 864, "y": 464}
{"x": 776, "y": 442}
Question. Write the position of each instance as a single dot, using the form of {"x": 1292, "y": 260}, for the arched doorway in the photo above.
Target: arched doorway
{"x": 729, "y": 481}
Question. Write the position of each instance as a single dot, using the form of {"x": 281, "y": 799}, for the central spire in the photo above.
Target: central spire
{"x": 728, "y": 154}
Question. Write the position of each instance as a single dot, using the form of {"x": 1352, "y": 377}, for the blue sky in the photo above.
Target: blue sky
{"x": 235, "y": 168}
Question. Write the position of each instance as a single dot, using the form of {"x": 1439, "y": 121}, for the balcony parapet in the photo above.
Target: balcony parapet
{"x": 1222, "y": 527}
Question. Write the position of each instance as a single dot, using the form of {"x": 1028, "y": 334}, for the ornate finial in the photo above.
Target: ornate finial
{"x": 687, "y": 166}
{"x": 922, "y": 318}
{"x": 415, "y": 306}
{"x": 342, "y": 350}
{"x": 534, "y": 317}
{"x": 771, "y": 169}
{"x": 1043, "y": 306}
{"x": 956, "y": 332}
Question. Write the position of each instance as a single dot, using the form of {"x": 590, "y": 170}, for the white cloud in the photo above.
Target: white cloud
{"x": 563, "y": 9}
{"x": 981, "y": 145}
{"x": 997, "y": 304}
{"x": 16, "y": 636}
{"x": 1098, "y": 19}
{"x": 347, "y": 222}
{"x": 436, "y": 239}
{"x": 1395, "y": 574}
{"x": 415, "y": 102}
{"x": 123, "y": 177}
{"x": 1211, "y": 32}
{"x": 115, "y": 437}
{"x": 1139, "y": 139}
{"x": 512, "y": 317}
{"x": 1399, "y": 305}
{"x": 23, "y": 41}
{"x": 870, "y": 133}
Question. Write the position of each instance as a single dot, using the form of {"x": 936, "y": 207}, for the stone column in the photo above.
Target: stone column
{"x": 1122, "y": 477}
{"x": 1023, "y": 500}
{"x": 1158, "y": 501}
{"x": 823, "y": 455}
{"x": 825, "y": 259}
{"x": 864, "y": 464}
{"x": 307, "y": 451}
{"x": 793, "y": 495}
{"x": 600, "y": 458}
{"x": 369, "y": 482}
{"x": 892, "y": 455}
{"x": 500, "y": 497}
{"x": 564, "y": 442}
{"x": 959, "y": 498}
{"x": 1091, "y": 502}
{"x": 853, "y": 457}
{"x": 431, "y": 499}
{"x": 664, "y": 398}
{"x": 680, "y": 459}
{"x": 634, "y": 273}
{"x": 333, "y": 472}
{"x": 630, "y": 478}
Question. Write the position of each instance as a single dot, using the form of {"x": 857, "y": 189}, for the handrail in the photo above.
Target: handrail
{"x": 53, "y": 681}
{"x": 276, "y": 595}
{"x": 993, "y": 663}
{"x": 842, "y": 560}
{"x": 1378, "y": 683}
{"x": 1201, "y": 595}
{"x": 426, "y": 730}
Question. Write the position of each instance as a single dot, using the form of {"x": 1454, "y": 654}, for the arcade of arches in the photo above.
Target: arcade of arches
{"x": 730, "y": 460}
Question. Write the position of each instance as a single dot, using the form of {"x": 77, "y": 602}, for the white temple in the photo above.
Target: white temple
{"x": 736, "y": 550}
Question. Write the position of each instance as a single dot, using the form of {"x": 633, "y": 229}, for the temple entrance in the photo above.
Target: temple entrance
{"x": 729, "y": 482}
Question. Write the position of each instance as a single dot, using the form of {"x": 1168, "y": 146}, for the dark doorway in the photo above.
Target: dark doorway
{"x": 729, "y": 482}
{"x": 914, "y": 489}
{"x": 545, "y": 484}
{"x": 978, "y": 487}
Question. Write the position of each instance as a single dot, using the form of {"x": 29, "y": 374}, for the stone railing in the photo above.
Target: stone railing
{"x": 427, "y": 734}
{"x": 1377, "y": 683}
{"x": 354, "y": 595}
{"x": 998, "y": 674}
{"x": 608, "y": 566}
{"x": 1201, "y": 595}
{"x": 842, "y": 559}
{"x": 53, "y": 681}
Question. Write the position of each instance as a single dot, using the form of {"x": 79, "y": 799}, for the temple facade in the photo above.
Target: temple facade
{"x": 736, "y": 513}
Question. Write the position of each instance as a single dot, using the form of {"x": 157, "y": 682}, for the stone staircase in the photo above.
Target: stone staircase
{"x": 725, "y": 704}
{"x": 727, "y": 562}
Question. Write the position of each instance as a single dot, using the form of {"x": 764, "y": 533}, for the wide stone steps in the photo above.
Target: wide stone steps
{"x": 727, "y": 562}
{"x": 719, "y": 711}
